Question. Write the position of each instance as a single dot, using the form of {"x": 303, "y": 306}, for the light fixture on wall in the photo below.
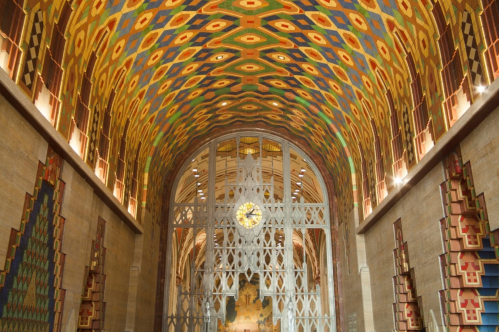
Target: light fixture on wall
{"x": 481, "y": 88}
{"x": 397, "y": 180}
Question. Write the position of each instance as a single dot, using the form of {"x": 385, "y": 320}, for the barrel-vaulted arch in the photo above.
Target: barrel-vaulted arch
{"x": 329, "y": 137}
{"x": 301, "y": 49}
{"x": 172, "y": 71}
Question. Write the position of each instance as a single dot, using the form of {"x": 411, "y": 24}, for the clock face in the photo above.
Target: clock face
{"x": 249, "y": 215}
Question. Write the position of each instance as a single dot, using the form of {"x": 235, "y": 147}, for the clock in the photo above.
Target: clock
{"x": 249, "y": 215}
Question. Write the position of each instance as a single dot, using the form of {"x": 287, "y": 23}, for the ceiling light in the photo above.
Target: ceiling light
{"x": 297, "y": 190}
{"x": 481, "y": 88}
{"x": 193, "y": 159}
{"x": 203, "y": 197}
{"x": 303, "y": 169}
{"x": 201, "y": 194}
{"x": 280, "y": 57}
{"x": 196, "y": 175}
{"x": 199, "y": 183}
{"x": 224, "y": 103}
{"x": 397, "y": 180}
{"x": 300, "y": 175}
{"x": 275, "y": 104}
{"x": 219, "y": 57}
{"x": 200, "y": 190}
{"x": 298, "y": 183}
{"x": 194, "y": 169}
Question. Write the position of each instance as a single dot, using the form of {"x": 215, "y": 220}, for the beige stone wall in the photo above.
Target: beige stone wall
{"x": 420, "y": 211}
{"x": 351, "y": 294}
{"x": 149, "y": 271}
{"x": 21, "y": 148}
{"x": 81, "y": 208}
{"x": 481, "y": 147}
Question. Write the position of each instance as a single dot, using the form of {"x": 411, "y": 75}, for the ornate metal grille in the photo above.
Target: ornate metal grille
{"x": 286, "y": 250}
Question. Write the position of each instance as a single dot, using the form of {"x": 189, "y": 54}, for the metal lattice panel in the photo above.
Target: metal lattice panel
{"x": 213, "y": 249}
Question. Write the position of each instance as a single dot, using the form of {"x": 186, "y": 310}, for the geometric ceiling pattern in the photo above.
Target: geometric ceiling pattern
{"x": 363, "y": 82}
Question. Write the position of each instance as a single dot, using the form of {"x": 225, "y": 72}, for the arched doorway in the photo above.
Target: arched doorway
{"x": 250, "y": 240}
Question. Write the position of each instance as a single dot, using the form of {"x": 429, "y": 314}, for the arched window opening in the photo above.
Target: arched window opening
{"x": 422, "y": 122}
{"x": 398, "y": 154}
{"x": 78, "y": 134}
{"x": 102, "y": 151}
{"x": 119, "y": 185}
{"x": 78, "y": 137}
{"x": 367, "y": 206}
{"x": 381, "y": 190}
{"x": 11, "y": 28}
{"x": 490, "y": 19}
{"x": 456, "y": 85}
{"x": 399, "y": 164}
{"x": 241, "y": 243}
{"x": 49, "y": 84}
{"x": 132, "y": 204}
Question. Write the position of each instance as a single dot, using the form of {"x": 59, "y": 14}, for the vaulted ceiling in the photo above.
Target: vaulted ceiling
{"x": 178, "y": 71}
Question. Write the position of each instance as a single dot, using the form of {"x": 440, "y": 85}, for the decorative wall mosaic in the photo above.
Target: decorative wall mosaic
{"x": 31, "y": 297}
{"x": 93, "y": 307}
{"x": 470, "y": 262}
{"x": 408, "y": 308}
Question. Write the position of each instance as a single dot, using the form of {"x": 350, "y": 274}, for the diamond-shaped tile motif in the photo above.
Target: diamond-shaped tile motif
{"x": 409, "y": 146}
{"x": 472, "y": 52}
{"x": 93, "y": 137}
{"x": 35, "y": 40}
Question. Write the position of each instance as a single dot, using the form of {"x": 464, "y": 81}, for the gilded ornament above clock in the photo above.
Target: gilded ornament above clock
{"x": 249, "y": 215}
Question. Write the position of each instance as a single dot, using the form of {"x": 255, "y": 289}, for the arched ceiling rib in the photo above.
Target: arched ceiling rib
{"x": 181, "y": 69}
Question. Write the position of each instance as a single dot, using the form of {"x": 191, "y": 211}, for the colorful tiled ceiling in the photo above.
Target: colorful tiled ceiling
{"x": 192, "y": 67}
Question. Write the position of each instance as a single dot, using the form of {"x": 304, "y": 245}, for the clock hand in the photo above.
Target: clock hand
{"x": 250, "y": 213}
